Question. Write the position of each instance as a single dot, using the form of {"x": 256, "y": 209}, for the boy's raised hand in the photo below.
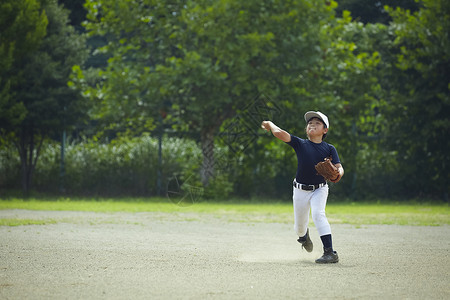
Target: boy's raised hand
{"x": 266, "y": 125}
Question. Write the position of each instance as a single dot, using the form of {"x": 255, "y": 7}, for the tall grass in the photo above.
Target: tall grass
{"x": 127, "y": 166}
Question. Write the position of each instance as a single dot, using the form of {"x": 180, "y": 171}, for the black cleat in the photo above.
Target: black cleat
{"x": 329, "y": 257}
{"x": 306, "y": 242}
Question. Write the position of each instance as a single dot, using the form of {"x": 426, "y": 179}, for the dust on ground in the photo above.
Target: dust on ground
{"x": 155, "y": 256}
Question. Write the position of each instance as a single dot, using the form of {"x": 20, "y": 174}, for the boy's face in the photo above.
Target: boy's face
{"x": 315, "y": 127}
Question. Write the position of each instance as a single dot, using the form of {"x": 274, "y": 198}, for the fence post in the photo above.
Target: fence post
{"x": 159, "y": 172}
{"x": 61, "y": 164}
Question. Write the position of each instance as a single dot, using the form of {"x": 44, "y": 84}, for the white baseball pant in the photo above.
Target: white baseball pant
{"x": 316, "y": 201}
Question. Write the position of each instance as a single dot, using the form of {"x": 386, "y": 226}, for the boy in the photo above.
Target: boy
{"x": 311, "y": 189}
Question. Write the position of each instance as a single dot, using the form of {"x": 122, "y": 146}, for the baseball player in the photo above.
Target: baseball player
{"x": 310, "y": 191}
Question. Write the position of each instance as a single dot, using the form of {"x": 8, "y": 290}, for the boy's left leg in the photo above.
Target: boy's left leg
{"x": 318, "y": 204}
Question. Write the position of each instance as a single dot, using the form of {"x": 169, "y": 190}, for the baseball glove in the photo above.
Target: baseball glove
{"x": 328, "y": 170}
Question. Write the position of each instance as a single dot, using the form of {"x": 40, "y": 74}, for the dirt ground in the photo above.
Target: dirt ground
{"x": 161, "y": 256}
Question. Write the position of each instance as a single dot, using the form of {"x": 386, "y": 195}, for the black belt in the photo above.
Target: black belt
{"x": 308, "y": 187}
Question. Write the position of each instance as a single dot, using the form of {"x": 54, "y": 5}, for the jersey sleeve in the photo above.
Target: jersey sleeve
{"x": 295, "y": 142}
{"x": 335, "y": 155}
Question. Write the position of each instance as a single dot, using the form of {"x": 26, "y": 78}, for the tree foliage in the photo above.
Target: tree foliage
{"x": 199, "y": 68}
{"x": 22, "y": 25}
{"x": 418, "y": 110}
{"x": 205, "y": 59}
{"x": 39, "y": 83}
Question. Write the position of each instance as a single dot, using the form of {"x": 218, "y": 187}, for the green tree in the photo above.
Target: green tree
{"x": 137, "y": 38}
{"x": 206, "y": 59}
{"x": 418, "y": 108}
{"x": 389, "y": 97}
{"x": 41, "y": 86}
{"x": 22, "y": 26}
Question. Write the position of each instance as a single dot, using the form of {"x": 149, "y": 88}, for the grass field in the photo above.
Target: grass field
{"x": 241, "y": 210}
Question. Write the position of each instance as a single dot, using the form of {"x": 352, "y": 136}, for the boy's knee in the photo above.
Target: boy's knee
{"x": 319, "y": 217}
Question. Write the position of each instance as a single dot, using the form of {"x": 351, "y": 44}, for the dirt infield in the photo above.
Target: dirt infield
{"x": 156, "y": 256}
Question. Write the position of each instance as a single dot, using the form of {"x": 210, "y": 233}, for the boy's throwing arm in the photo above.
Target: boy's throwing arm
{"x": 276, "y": 131}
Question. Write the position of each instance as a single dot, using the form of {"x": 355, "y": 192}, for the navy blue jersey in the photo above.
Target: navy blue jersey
{"x": 308, "y": 155}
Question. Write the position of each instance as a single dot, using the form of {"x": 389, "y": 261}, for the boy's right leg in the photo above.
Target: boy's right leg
{"x": 301, "y": 202}
{"x": 306, "y": 242}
